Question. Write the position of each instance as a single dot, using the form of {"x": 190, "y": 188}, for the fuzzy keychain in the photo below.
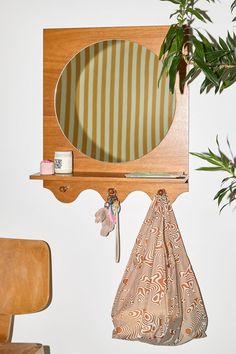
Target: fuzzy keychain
{"x": 102, "y": 216}
{"x": 108, "y": 216}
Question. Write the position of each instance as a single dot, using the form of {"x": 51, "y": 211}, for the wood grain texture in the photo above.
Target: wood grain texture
{"x": 60, "y": 45}
{"x": 6, "y": 327}
{"x": 66, "y": 188}
{"x": 67, "y": 192}
{"x": 25, "y": 278}
{"x": 21, "y": 348}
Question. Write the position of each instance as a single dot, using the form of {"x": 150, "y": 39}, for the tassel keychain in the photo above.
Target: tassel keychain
{"x": 109, "y": 217}
{"x": 116, "y": 211}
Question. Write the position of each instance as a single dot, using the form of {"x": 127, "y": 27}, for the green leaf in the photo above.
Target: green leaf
{"x": 230, "y": 150}
{"x": 214, "y": 55}
{"x": 225, "y": 160}
{"x": 204, "y": 14}
{"x": 204, "y": 39}
{"x": 221, "y": 196}
{"x": 223, "y": 44}
{"x": 205, "y": 85}
{"x": 214, "y": 44}
{"x": 175, "y": 13}
{"x": 205, "y": 156}
{"x": 233, "y": 5}
{"x": 208, "y": 72}
{"x": 227, "y": 83}
{"x": 231, "y": 41}
{"x": 212, "y": 153}
{"x": 173, "y": 72}
{"x": 209, "y": 169}
{"x": 166, "y": 65}
{"x": 179, "y": 38}
{"x": 197, "y": 14}
{"x": 171, "y": 34}
{"x": 220, "y": 192}
{"x": 226, "y": 179}
{"x": 199, "y": 50}
{"x": 192, "y": 74}
{"x": 173, "y": 1}
{"x": 224, "y": 206}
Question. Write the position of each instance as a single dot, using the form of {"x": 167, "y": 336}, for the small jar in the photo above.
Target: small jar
{"x": 46, "y": 167}
{"x": 63, "y": 162}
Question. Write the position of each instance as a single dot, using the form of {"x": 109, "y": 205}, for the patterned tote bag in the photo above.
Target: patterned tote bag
{"x": 159, "y": 300}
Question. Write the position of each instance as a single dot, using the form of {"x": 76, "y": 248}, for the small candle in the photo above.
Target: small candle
{"x": 46, "y": 167}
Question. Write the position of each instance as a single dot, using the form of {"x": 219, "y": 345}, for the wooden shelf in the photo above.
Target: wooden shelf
{"x": 66, "y": 188}
{"x": 60, "y": 45}
{"x": 78, "y": 176}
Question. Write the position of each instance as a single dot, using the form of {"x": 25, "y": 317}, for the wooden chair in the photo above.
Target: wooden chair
{"x": 25, "y": 287}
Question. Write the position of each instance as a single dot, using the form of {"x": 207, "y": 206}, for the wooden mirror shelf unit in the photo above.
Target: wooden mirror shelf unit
{"x": 61, "y": 46}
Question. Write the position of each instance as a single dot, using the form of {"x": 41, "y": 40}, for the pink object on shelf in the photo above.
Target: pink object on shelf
{"x": 47, "y": 167}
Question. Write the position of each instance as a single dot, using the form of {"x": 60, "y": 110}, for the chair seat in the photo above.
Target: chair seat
{"x": 21, "y": 348}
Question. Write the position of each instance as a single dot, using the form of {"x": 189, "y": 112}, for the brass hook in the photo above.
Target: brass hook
{"x": 161, "y": 191}
{"x": 112, "y": 194}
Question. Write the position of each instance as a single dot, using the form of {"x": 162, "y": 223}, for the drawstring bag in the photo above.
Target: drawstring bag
{"x": 158, "y": 300}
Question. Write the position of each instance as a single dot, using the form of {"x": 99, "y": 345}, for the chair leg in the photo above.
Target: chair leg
{"x": 41, "y": 351}
{"x": 6, "y": 328}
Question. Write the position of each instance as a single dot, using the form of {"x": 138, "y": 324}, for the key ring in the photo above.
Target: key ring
{"x": 113, "y": 206}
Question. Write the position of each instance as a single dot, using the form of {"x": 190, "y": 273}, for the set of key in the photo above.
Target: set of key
{"x": 108, "y": 216}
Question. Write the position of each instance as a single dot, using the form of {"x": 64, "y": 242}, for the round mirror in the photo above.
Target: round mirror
{"x": 109, "y": 104}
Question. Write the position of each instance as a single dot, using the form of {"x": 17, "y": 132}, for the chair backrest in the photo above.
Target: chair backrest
{"x": 6, "y": 328}
{"x": 25, "y": 277}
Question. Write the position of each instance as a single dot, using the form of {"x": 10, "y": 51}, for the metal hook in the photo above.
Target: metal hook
{"x": 161, "y": 191}
{"x": 111, "y": 194}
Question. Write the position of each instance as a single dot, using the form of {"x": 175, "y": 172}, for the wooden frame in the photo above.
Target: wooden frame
{"x": 60, "y": 45}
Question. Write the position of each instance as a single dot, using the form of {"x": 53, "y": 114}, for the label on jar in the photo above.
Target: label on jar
{"x": 63, "y": 165}
{"x": 58, "y": 164}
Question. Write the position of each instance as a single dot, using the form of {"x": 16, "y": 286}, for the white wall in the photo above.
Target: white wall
{"x": 85, "y": 277}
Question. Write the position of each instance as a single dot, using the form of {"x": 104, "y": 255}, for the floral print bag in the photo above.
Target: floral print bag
{"x": 159, "y": 300}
